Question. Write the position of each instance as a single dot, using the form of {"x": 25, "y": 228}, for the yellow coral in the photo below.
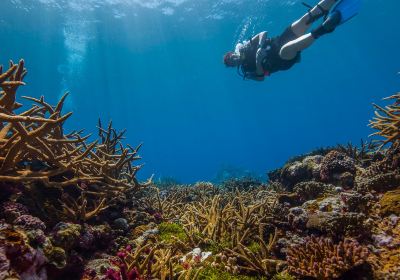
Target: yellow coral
{"x": 386, "y": 260}
{"x": 390, "y": 203}
{"x": 387, "y": 120}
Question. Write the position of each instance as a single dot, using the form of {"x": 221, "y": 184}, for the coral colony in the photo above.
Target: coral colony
{"x": 71, "y": 209}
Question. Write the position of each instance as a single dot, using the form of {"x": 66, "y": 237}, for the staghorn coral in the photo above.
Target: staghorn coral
{"x": 77, "y": 211}
{"x": 322, "y": 259}
{"x": 387, "y": 121}
{"x": 207, "y": 221}
{"x": 260, "y": 259}
{"x": 223, "y": 218}
{"x": 363, "y": 155}
{"x": 33, "y": 146}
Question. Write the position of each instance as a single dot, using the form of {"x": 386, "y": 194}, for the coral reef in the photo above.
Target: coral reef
{"x": 73, "y": 209}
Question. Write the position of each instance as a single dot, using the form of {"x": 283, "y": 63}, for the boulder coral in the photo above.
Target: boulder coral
{"x": 336, "y": 164}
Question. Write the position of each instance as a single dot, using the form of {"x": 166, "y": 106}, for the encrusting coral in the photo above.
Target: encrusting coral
{"x": 390, "y": 203}
{"x": 386, "y": 258}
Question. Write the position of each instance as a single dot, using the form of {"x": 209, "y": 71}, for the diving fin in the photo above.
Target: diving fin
{"x": 347, "y": 9}
{"x": 342, "y": 12}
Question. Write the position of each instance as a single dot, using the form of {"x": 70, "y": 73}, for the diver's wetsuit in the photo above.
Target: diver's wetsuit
{"x": 272, "y": 62}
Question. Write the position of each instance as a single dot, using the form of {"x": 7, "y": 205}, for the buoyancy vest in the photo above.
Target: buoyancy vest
{"x": 271, "y": 63}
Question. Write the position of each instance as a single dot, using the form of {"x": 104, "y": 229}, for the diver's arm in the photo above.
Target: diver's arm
{"x": 259, "y": 39}
{"x": 255, "y": 77}
{"x": 261, "y": 54}
{"x": 262, "y": 37}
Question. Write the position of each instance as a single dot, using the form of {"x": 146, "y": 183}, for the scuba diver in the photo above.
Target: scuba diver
{"x": 261, "y": 56}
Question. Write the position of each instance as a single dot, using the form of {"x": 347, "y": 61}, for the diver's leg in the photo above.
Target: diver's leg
{"x": 300, "y": 26}
{"x": 290, "y": 49}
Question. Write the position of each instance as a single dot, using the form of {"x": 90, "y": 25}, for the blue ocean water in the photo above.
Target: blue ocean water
{"x": 155, "y": 68}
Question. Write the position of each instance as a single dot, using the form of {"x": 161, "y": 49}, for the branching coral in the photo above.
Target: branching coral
{"x": 207, "y": 221}
{"x": 363, "y": 154}
{"x": 35, "y": 151}
{"x": 222, "y": 218}
{"x": 77, "y": 210}
{"x": 149, "y": 261}
{"x": 387, "y": 120}
{"x": 36, "y": 135}
{"x": 260, "y": 260}
{"x": 322, "y": 259}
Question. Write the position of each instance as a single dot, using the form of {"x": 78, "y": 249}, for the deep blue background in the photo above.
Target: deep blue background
{"x": 154, "y": 67}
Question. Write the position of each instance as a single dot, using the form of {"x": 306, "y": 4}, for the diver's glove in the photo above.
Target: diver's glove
{"x": 261, "y": 54}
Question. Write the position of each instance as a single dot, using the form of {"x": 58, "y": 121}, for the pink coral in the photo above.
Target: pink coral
{"x": 12, "y": 210}
{"x": 112, "y": 274}
{"x": 29, "y": 222}
{"x": 321, "y": 258}
{"x": 19, "y": 257}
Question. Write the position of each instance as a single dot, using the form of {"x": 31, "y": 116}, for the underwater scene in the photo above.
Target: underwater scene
{"x": 199, "y": 139}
